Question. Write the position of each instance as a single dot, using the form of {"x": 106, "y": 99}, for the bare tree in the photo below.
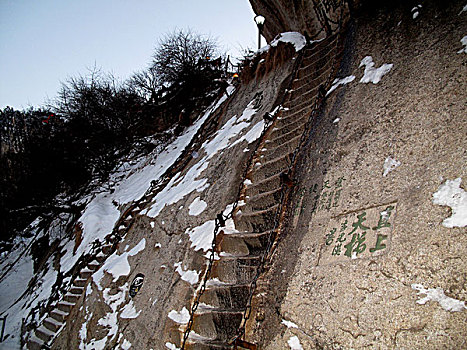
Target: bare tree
{"x": 145, "y": 83}
{"x": 180, "y": 53}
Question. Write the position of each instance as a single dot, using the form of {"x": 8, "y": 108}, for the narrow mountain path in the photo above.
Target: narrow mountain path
{"x": 224, "y": 306}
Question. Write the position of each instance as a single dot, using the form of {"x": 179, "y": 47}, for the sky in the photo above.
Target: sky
{"x": 43, "y": 42}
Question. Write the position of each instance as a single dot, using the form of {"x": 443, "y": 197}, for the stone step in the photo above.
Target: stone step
{"x": 71, "y": 298}
{"x": 317, "y": 49}
{"x": 289, "y": 116}
{"x": 300, "y": 110}
{"x": 262, "y": 201}
{"x": 235, "y": 270}
{"x": 85, "y": 273}
{"x": 52, "y": 324}
{"x": 315, "y": 68}
{"x": 266, "y": 185}
{"x": 35, "y": 343}
{"x": 121, "y": 230}
{"x": 59, "y": 315}
{"x": 78, "y": 290}
{"x": 135, "y": 211}
{"x": 217, "y": 325}
{"x": 65, "y": 305}
{"x": 312, "y": 81}
{"x": 107, "y": 249}
{"x": 44, "y": 333}
{"x": 201, "y": 343}
{"x": 80, "y": 282}
{"x": 101, "y": 257}
{"x": 287, "y": 126}
{"x": 258, "y": 221}
{"x": 270, "y": 168}
{"x": 233, "y": 297}
{"x": 303, "y": 98}
{"x": 321, "y": 72}
{"x": 290, "y": 135}
{"x": 94, "y": 265}
{"x": 207, "y": 308}
{"x": 145, "y": 201}
{"x": 300, "y": 93}
{"x": 275, "y": 150}
{"x": 237, "y": 244}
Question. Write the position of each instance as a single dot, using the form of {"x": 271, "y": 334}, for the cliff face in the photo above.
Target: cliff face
{"x": 373, "y": 253}
{"x": 313, "y": 17}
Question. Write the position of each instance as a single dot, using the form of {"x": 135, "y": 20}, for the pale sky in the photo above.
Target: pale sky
{"x": 42, "y": 42}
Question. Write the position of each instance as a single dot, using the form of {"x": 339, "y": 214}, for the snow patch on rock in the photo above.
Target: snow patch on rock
{"x": 464, "y": 43}
{"x": 294, "y": 343}
{"x": 189, "y": 276}
{"x": 389, "y": 165}
{"x": 451, "y": 194}
{"x": 129, "y": 311}
{"x": 289, "y": 324}
{"x": 118, "y": 265}
{"x": 371, "y": 73}
{"x": 180, "y": 317}
{"x": 337, "y": 82}
{"x": 294, "y": 38}
{"x": 437, "y": 294}
{"x": 197, "y": 206}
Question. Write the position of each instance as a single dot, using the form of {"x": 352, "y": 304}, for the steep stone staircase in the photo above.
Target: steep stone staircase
{"x": 228, "y": 292}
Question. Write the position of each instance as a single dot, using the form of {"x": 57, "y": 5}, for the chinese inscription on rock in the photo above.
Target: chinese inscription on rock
{"x": 361, "y": 234}
{"x": 319, "y": 198}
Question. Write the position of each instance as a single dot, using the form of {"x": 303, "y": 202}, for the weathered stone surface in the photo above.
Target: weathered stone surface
{"x": 365, "y": 295}
{"x": 167, "y": 243}
{"x": 298, "y": 16}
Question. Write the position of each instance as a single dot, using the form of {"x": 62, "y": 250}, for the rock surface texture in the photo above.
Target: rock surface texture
{"x": 311, "y": 16}
{"x": 367, "y": 258}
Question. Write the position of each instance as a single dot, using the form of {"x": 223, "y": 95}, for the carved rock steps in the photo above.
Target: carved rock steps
{"x": 316, "y": 68}
{"x": 221, "y": 306}
{"x": 270, "y": 168}
{"x": 35, "y": 343}
{"x": 241, "y": 244}
{"x": 273, "y": 150}
{"x": 59, "y": 315}
{"x": 312, "y": 80}
{"x": 286, "y": 126}
{"x": 262, "y": 201}
{"x": 258, "y": 221}
{"x": 227, "y": 297}
{"x": 199, "y": 343}
{"x": 270, "y": 184}
{"x": 317, "y": 50}
{"x": 216, "y": 324}
{"x": 44, "y": 333}
{"x": 298, "y": 95}
{"x": 235, "y": 270}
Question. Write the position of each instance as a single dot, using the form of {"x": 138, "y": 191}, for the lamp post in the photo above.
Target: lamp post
{"x": 259, "y": 20}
